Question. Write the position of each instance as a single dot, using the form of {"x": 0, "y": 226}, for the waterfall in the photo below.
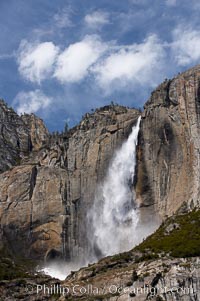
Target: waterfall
{"x": 114, "y": 216}
{"x": 114, "y": 223}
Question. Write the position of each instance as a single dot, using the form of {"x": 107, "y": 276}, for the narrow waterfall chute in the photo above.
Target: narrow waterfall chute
{"x": 114, "y": 215}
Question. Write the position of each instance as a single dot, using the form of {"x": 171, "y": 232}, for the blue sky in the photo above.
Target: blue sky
{"x": 60, "y": 59}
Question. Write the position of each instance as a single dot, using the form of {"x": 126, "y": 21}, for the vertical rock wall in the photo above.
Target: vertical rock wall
{"x": 169, "y": 146}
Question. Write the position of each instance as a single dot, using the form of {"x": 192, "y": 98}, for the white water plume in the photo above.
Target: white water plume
{"x": 114, "y": 223}
{"x": 114, "y": 215}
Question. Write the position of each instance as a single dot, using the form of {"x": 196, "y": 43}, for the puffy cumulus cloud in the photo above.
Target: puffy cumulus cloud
{"x": 75, "y": 61}
{"x": 97, "y": 19}
{"x": 186, "y": 45}
{"x": 111, "y": 66}
{"x": 31, "y": 102}
{"x": 125, "y": 66}
{"x": 36, "y": 60}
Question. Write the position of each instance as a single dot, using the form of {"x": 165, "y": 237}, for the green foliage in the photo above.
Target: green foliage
{"x": 183, "y": 241}
{"x": 126, "y": 256}
{"x": 159, "y": 298}
{"x": 147, "y": 274}
{"x": 147, "y": 256}
{"x": 9, "y": 271}
{"x": 18, "y": 161}
{"x": 134, "y": 276}
{"x": 11, "y": 268}
{"x": 66, "y": 128}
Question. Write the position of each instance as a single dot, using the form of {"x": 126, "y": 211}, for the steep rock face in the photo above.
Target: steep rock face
{"x": 37, "y": 130}
{"x": 169, "y": 146}
{"x": 19, "y": 135}
{"x": 14, "y": 137}
{"x": 45, "y": 200}
{"x": 31, "y": 197}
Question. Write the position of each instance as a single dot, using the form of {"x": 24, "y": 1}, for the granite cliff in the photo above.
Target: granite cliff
{"x": 45, "y": 198}
{"x": 18, "y": 136}
{"x": 169, "y": 146}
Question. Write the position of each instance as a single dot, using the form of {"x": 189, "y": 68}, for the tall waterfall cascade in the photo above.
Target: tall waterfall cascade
{"x": 114, "y": 223}
{"x": 114, "y": 215}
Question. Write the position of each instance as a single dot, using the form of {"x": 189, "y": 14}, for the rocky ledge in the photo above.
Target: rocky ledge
{"x": 166, "y": 266}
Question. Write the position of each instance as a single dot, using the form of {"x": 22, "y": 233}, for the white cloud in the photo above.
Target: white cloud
{"x": 40, "y": 33}
{"x": 111, "y": 66}
{"x": 63, "y": 18}
{"x": 36, "y": 60}
{"x": 127, "y": 65}
{"x": 97, "y": 19}
{"x": 31, "y": 102}
{"x": 186, "y": 45}
{"x": 74, "y": 63}
{"x": 6, "y": 56}
{"x": 171, "y": 2}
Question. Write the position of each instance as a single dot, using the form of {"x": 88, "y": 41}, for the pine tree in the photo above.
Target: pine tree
{"x": 66, "y": 128}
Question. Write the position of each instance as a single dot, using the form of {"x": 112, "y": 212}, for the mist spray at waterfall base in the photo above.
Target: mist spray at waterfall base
{"x": 60, "y": 269}
{"x": 114, "y": 224}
